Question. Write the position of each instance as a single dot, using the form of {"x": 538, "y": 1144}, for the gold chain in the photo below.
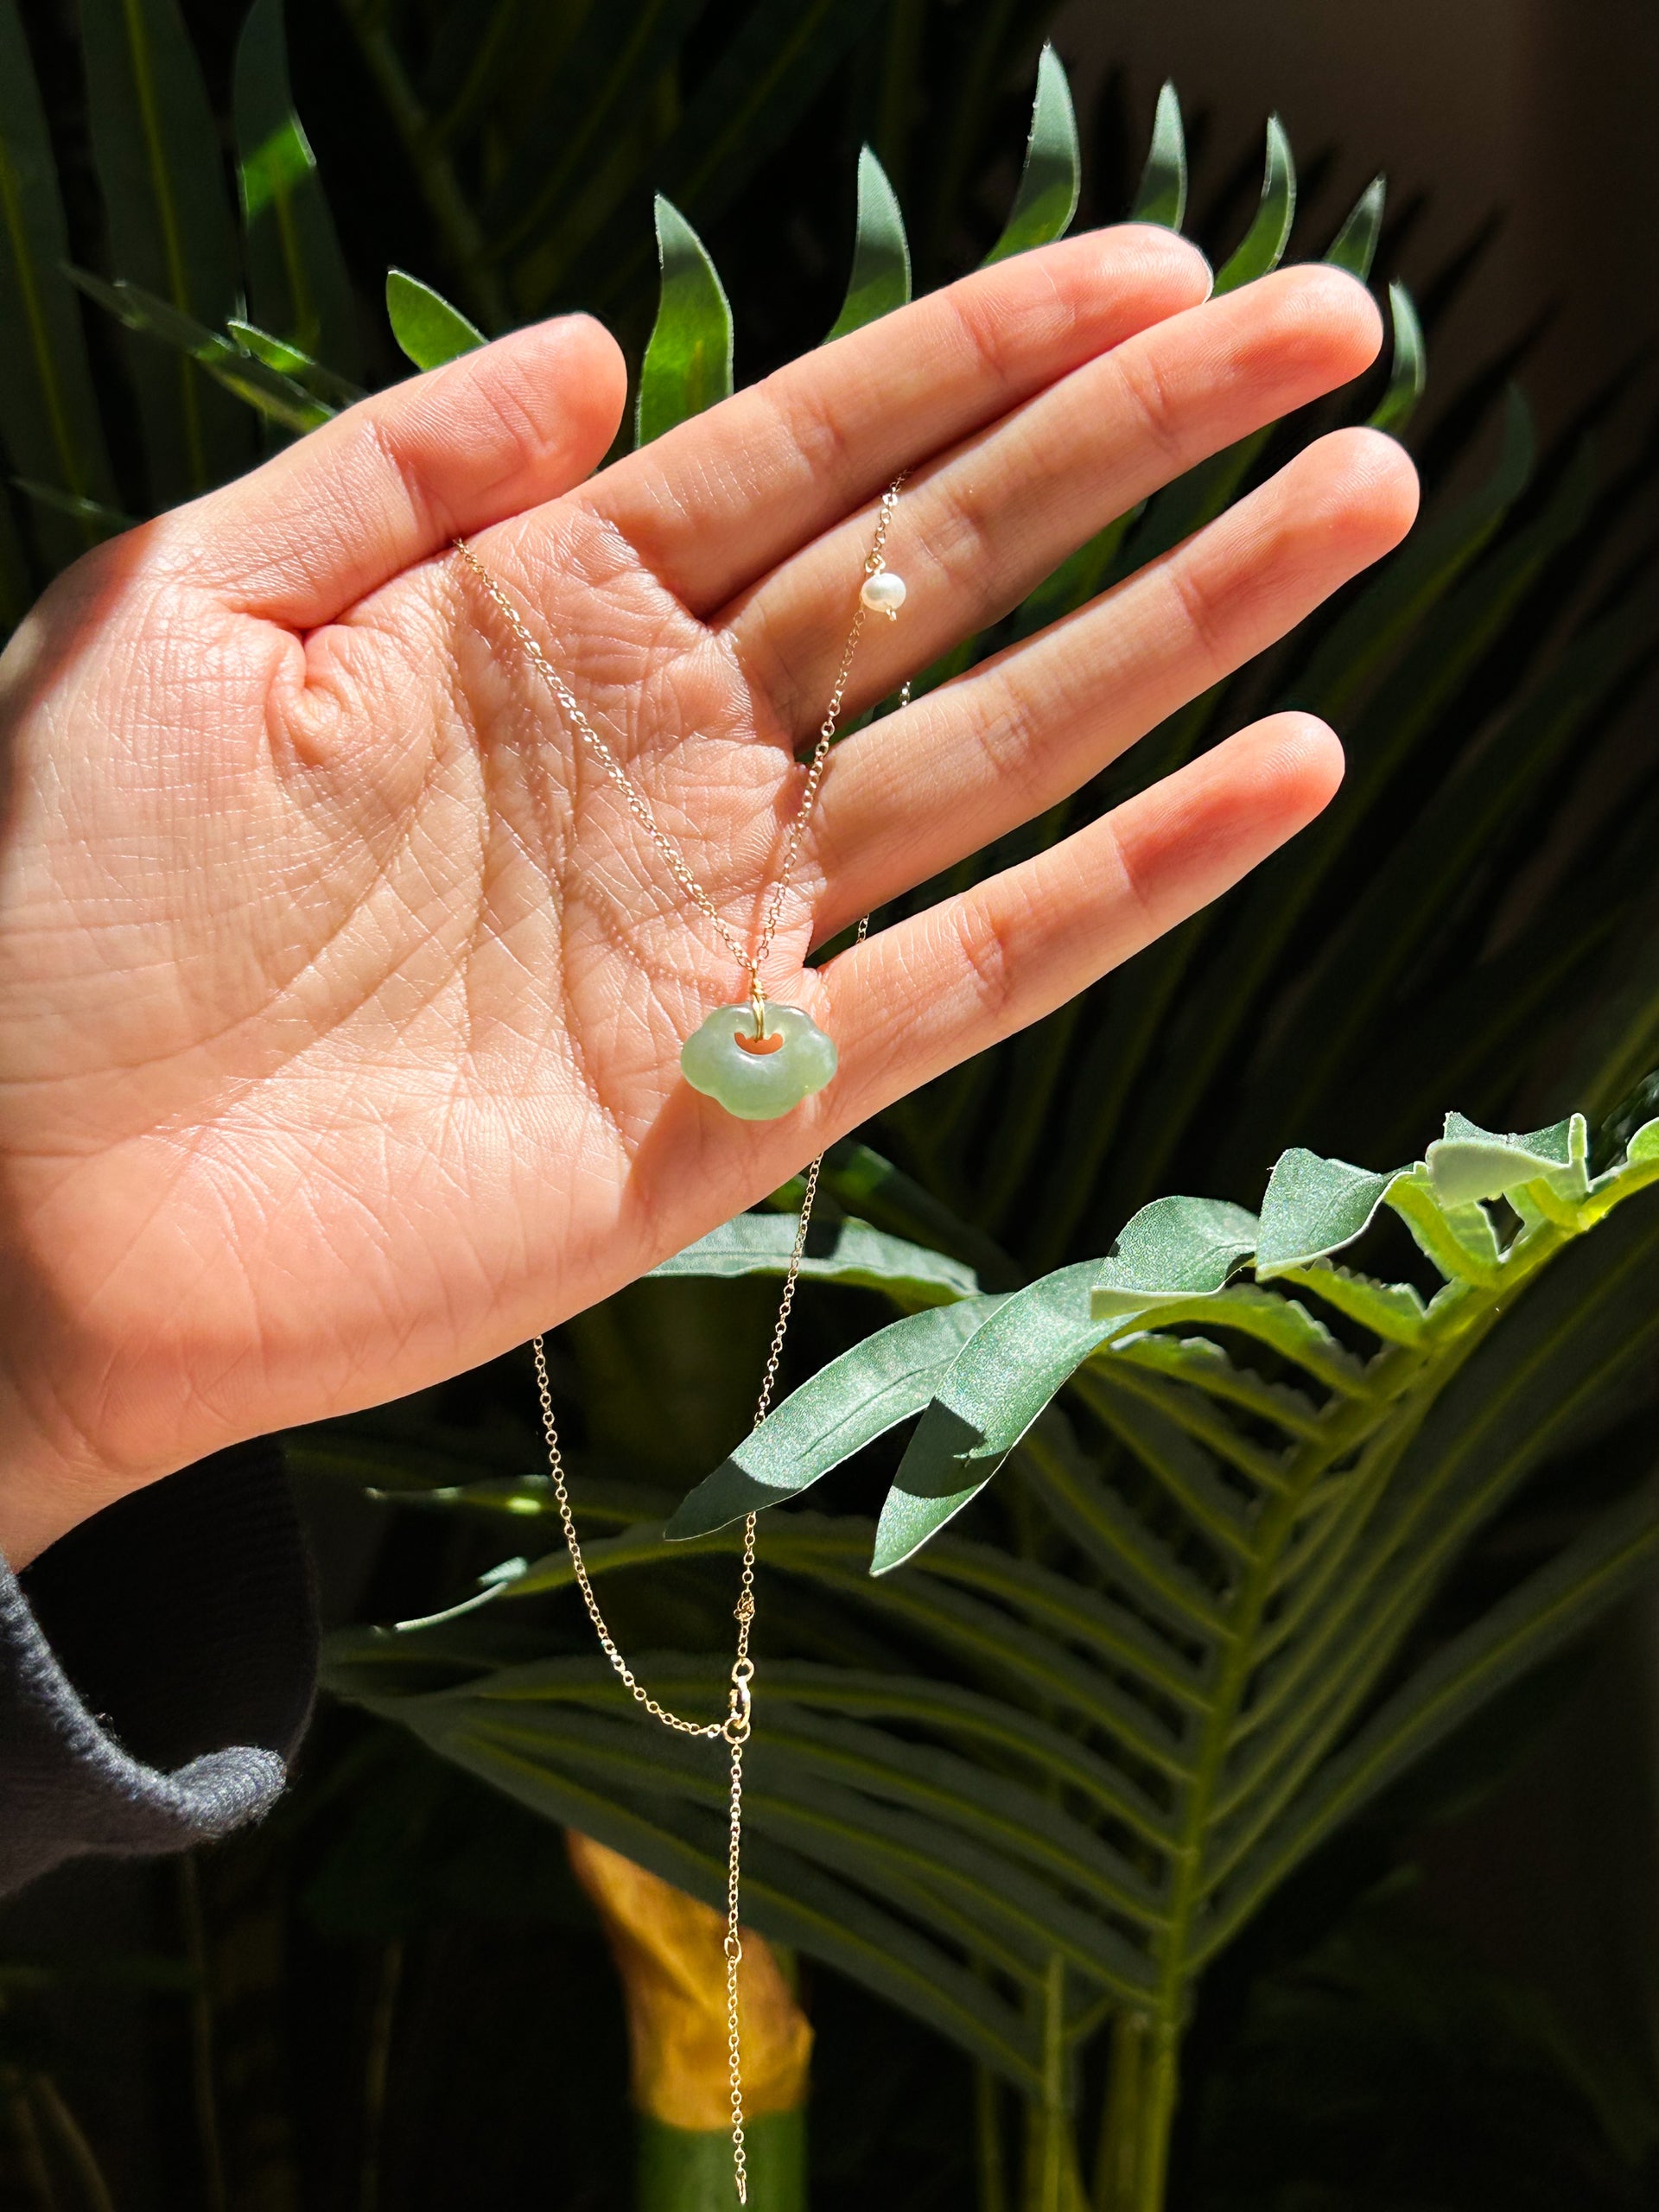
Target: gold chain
{"x": 734, "y": 1729}
{"x": 640, "y": 807}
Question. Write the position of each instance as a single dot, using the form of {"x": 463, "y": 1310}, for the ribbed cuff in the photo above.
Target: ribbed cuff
{"x": 157, "y": 1668}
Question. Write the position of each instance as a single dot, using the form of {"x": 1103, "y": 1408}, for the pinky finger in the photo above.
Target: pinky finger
{"x": 912, "y": 1001}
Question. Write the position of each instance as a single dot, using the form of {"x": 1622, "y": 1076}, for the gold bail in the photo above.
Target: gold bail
{"x": 757, "y": 1006}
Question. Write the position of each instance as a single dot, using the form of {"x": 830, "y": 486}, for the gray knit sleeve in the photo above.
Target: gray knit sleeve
{"x": 157, "y": 1668}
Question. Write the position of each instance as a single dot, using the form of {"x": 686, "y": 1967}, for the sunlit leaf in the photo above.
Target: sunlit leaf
{"x": 297, "y": 274}
{"x": 1162, "y": 197}
{"x": 1263, "y": 245}
{"x": 846, "y": 1251}
{"x": 1173, "y": 1249}
{"x": 1354, "y": 247}
{"x": 1314, "y": 1207}
{"x": 1409, "y": 369}
{"x": 1005, "y": 1374}
{"x": 885, "y": 1379}
{"x": 266, "y": 391}
{"x": 430, "y": 331}
{"x": 1052, "y": 176}
{"x": 880, "y": 275}
{"x": 687, "y": 363}
{"x": 289, "y": 361}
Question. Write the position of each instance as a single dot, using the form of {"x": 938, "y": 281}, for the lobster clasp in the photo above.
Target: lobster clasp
{"x": 738, "y": 1717}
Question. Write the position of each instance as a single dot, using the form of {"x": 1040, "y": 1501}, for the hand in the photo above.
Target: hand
{"x": 341, "y": 997}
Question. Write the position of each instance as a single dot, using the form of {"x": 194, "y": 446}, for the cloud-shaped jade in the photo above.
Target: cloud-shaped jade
{"x": 758, "y": 1086}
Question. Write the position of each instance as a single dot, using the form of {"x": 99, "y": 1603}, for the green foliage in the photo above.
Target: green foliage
{"x": 1193, "y": 1615}
{"x": 1052, "y": 176}
{"x": 296, "y": 276}
{"x": 1095, "y": 1754}
{"x": 426, "y": 327}
{"x": 687, "y": 363}
{"x": 880, "y": 276}
{"x": 1163, "y": 196}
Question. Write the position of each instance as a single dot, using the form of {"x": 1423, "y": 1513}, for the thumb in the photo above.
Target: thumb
{"x": 393, "y": 480}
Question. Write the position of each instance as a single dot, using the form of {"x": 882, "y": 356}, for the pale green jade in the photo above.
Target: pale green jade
{"x": 758, "y": 1086}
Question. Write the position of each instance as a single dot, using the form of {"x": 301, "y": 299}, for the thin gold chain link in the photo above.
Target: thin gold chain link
{"x": 640, "y": 807}
{"x": 734, "y": 1729}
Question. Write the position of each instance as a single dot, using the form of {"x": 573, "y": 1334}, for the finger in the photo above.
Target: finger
{"x": 393, "y": 480}
{"x": 974, "y": 532}
{"x": 915, "y": 791}
{"x": 714, "y": 504}
{"x": 912, "y": 1001}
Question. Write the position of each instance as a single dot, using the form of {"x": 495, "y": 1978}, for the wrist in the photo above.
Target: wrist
{"x": 51, "y": 1478}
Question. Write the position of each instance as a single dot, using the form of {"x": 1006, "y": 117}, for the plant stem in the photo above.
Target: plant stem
{"x": 201, "y": 2035}
{"x": 1131, "y": 2171}
{"x": 1051, "y": 2183}
{"x": 376, "y": 2071}
{"x": 95, "y": 2190}
{"x": 31, "y": 2152}
{"x": 988, "y": 2142}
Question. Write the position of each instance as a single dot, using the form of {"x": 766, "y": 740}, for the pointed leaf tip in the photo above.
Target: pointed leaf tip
{"x": 880, "y": 274}
{"x": 1263, "y": 245}
{"x": 997, "y": 1385}
{"x": 1052, "y": 176}
{"x": 1354, "y": 247}
{"x": 1162, "y": 194}
{"x": 1407, "y": 370}
{"x": 427, "y": 328}
{"x": 885, "y": 1379}
{"x": 687, "y": 363}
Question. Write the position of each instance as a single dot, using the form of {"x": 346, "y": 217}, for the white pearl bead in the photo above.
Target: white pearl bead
{"x": 883, "y": 592}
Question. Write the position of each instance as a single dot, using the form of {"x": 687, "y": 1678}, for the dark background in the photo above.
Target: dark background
{"x": 1519, "y": 133}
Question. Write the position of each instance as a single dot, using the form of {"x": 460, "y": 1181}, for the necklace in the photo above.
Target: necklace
{"x": 756, "y": 1073}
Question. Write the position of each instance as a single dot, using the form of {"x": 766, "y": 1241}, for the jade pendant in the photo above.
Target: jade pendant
{"x": 757, "y": 1079}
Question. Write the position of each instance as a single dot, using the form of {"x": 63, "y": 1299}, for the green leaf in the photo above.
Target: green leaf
{"x": 289, "y": 361}
{"x": 1314, "y": 1207}
{"x": 626, "y": 1787}
{"x": 1162, "y": 194}
{"x": 687, "y": 363}
{"x": 847, "y": 1251}
{"x": 1354, "y": 247}
{"x": 568, "y": 134}
{"x": 428, "y": 330}
{"x": 100, "y": 521}
{"x": 1547, "y": 1612}
{"x": 266, "y": 391}
{"x": 845, "y": 1405}
{"x": 48, "y": 417}
{"x": 881, "y": 276}
{"x": 1417, "y": 578}
{"x": 1392, "y": 1311}
{"x": 156, "y": 149}
{"x": 1409, "y": 369}
{"x": 296, "y": 273}
{"x": 1052, "y": 176}
{"x": 1469, "y": 1163}
{"x": 1644, "y": 1146}
{"x": 1175, "y": 1248}
{"x": 1263, "y": 245}
{"x": 864, "y": 1183}
{"x": 1008, "y": 1371}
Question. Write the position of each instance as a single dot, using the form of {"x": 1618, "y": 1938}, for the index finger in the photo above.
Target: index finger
{"x": 715, "y": 503}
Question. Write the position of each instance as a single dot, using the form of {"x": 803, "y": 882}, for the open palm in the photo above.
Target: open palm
{"x": 340, "y": 995}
